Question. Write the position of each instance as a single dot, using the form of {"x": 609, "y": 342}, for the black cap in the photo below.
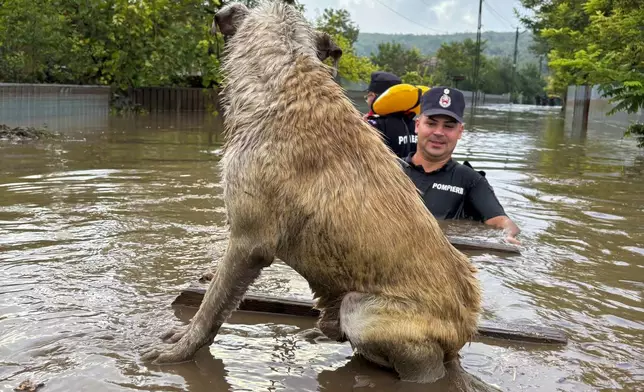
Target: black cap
{"x": 443, "y": 100}
{"x": 381, "y": 81}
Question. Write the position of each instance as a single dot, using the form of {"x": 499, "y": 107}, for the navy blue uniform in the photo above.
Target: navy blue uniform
{"x": 455, "y": 191}
{"x": 398, "y": 130}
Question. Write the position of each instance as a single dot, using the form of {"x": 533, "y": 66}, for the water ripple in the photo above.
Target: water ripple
{"x": 98, "y": 237}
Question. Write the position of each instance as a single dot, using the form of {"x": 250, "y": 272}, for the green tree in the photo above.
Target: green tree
{"x": 35, "y": 42}
{"x": 496, "y": 75}
{"x": 157, "y": 43}
{"x": 593, "y": 42}
{"x": 415, "y": 78}
{"x": 351, "y": 66}
{"x": 397, "y": 59}
{"x": 529, "y": 83}
{"x": 114, "y": 42}
{"x": 457, "y": 59}
{"x": 338, "y": 22}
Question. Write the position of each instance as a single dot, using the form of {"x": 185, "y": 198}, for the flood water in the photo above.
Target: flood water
{"x": 101, "y": 230}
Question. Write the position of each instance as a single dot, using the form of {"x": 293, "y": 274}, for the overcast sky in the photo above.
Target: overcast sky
{"x": 422, "y": 16}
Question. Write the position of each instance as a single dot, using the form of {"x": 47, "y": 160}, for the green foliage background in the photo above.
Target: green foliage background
{"x": 498, "y": 44}
{"x": 128, "y": 44}
{"x": 107, "y": 42}
{"x": 590, "y": 42}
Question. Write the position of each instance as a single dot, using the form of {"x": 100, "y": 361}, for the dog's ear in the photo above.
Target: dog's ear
{"x": 228, "y": 19}
{"x": 326, "y": 47}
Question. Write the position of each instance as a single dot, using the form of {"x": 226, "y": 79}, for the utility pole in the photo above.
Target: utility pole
{"x": 477, "y": 61}
{"x": 514, "y": 64}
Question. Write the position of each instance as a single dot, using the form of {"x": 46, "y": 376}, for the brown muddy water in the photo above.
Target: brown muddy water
{"x": 101, "y": 230}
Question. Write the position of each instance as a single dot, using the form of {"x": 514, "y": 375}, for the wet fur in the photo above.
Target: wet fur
{"x": 308, "y": 181}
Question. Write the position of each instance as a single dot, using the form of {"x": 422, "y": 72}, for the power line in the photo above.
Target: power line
{"x": 497, "y": 15}
{"x": 406, "y": 18}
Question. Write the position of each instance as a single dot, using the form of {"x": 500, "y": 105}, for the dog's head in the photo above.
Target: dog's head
{"x": 228, "y": 19}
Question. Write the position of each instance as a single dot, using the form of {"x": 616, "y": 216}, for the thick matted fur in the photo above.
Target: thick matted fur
{"x": 308, "y": 181}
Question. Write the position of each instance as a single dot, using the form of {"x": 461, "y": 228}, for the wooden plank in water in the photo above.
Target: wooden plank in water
{"x": 193, "y": 295}
{"x": 467, "y": 244}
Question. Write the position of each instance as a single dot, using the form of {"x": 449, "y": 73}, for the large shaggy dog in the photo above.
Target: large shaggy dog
{"x": 307, "y": 181}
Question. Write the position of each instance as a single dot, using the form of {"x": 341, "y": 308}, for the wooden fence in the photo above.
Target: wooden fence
{"x": 179, "y": 99}
{"x": 55, "y": 106}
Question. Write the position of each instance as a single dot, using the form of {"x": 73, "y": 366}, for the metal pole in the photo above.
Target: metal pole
{"x": 477, "y": 61}
{"x": 514, "y": 64}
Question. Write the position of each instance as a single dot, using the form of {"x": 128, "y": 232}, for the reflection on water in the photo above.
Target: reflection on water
{"x": 100, "y": 231}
